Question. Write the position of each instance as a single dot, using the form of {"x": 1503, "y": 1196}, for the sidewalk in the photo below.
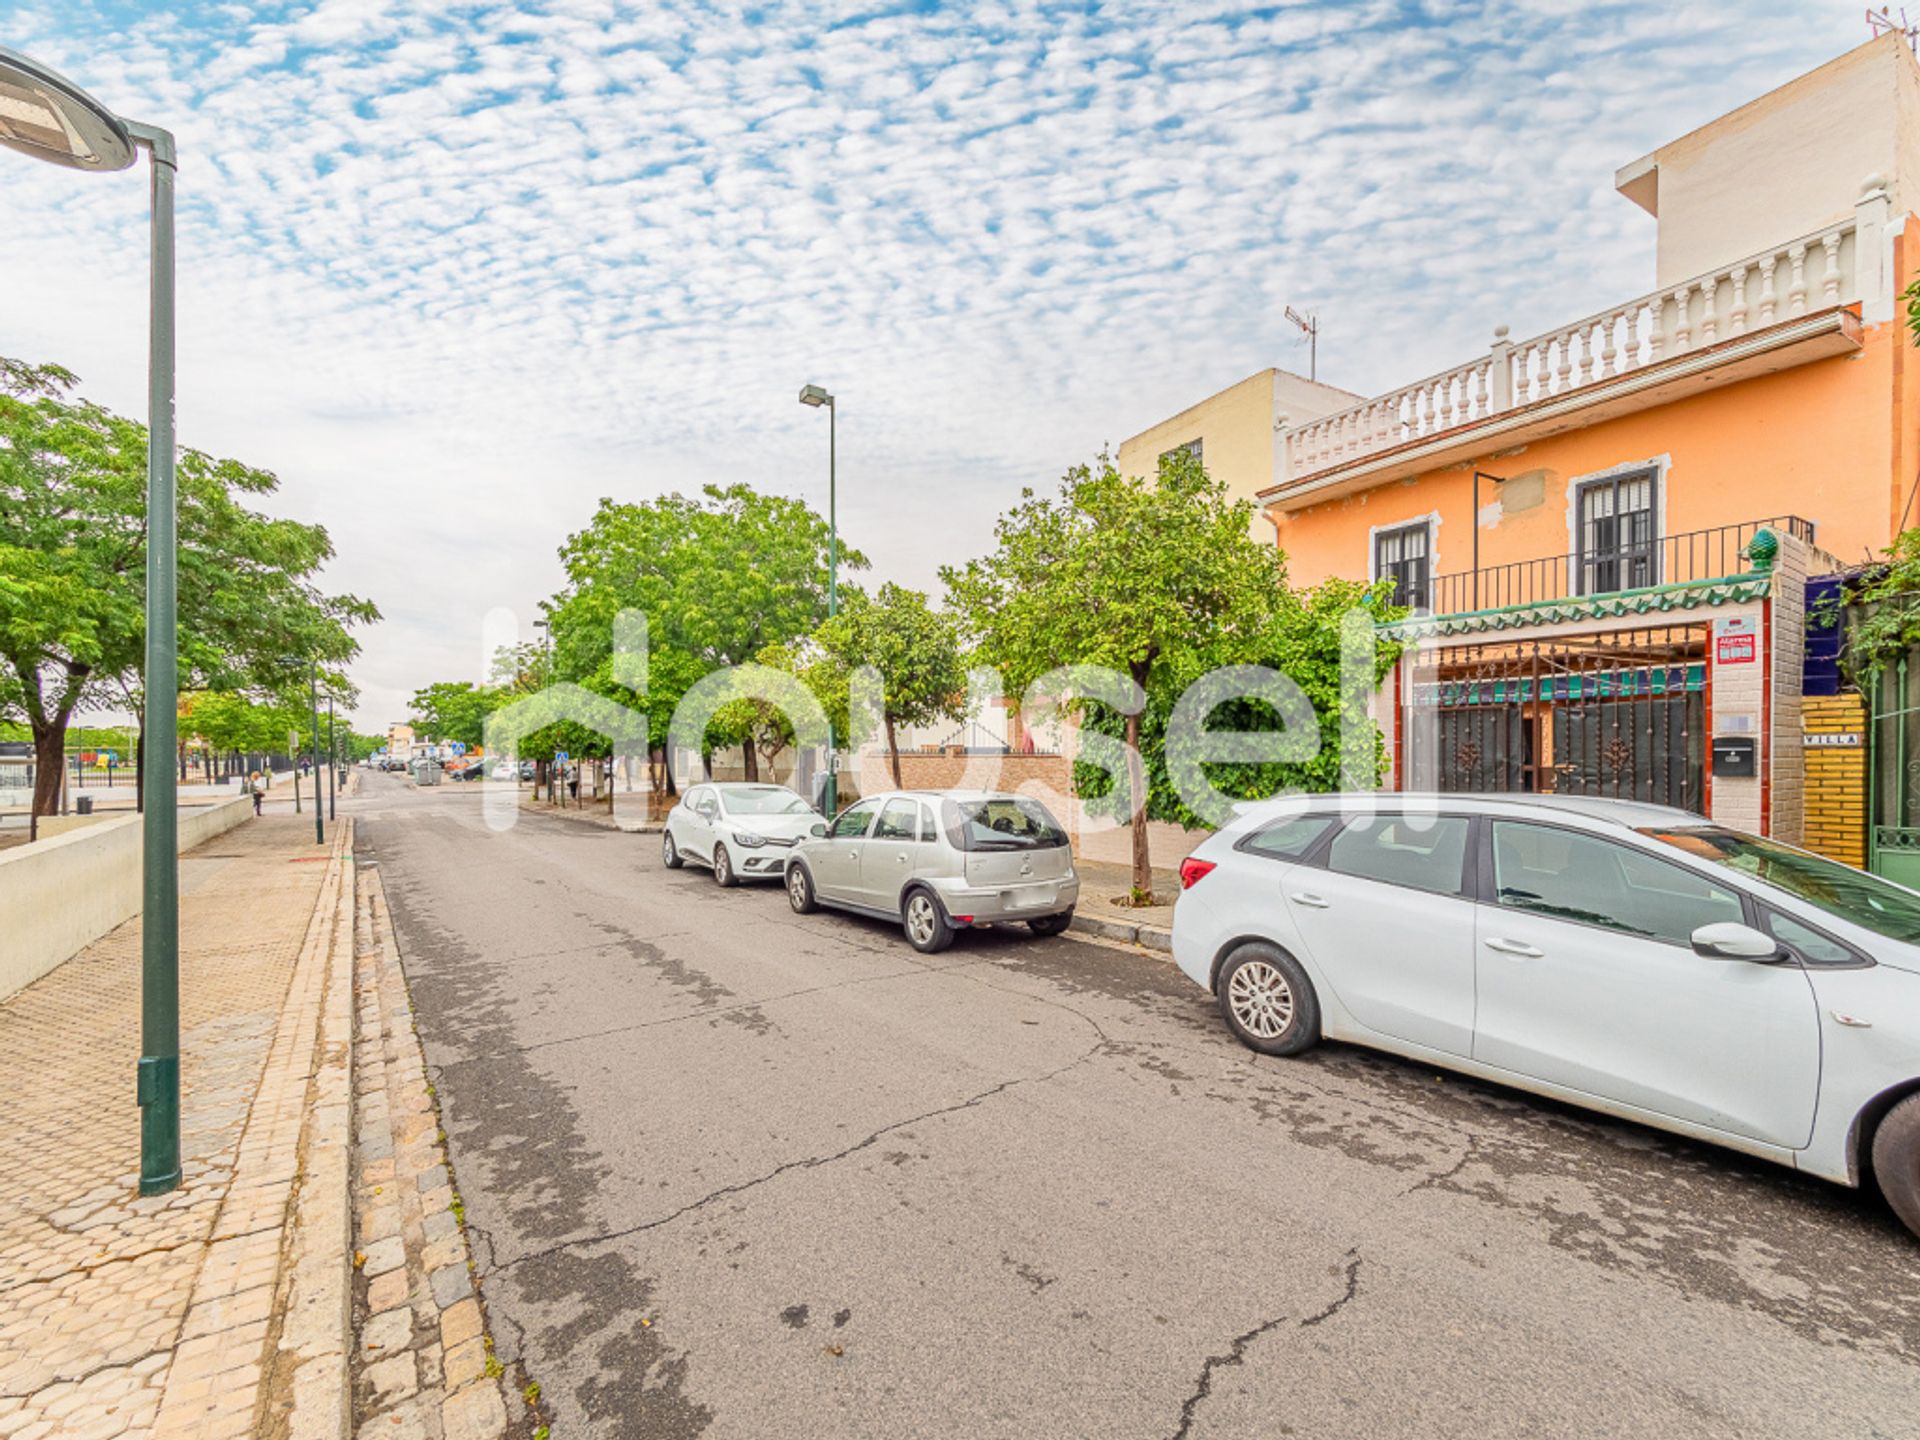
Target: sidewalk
{"x": 128, "y": 1316}
{"x": 1101, "y": 884}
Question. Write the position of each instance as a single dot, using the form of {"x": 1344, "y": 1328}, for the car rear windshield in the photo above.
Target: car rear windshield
{"x": 771, "y": 801}
{"x": 1004, "y": 822}
{"x": 1867, "y": 900}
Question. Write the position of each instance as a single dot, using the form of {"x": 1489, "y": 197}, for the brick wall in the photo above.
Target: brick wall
{"x": 1836, "y": 778}
{"x": 975, "y": 772}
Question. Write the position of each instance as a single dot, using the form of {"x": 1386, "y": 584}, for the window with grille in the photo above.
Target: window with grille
{"x": 1404, "y": 557}
{"x": 1619, "y": 546}
{"x": 1195, "y": 448}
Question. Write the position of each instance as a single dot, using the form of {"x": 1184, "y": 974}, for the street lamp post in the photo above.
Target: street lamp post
{"x": 319, "y": 799}
{"x": 546, "y": 679}
{"x": 44, "y": 115}
{"x": 333, "y": 765}
{"x": 814, "y": 397}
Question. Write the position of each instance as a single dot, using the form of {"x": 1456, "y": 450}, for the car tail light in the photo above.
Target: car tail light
{"x": 1193, "y": 870}
{"x": 963, "y": 919}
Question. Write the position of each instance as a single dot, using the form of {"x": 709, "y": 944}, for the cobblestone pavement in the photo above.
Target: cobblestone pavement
{"x": 128, "y": 1316}
{"x": 423, "y": 1364}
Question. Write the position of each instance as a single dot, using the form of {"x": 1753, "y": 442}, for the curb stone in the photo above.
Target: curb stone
{"x": 1148, "y": 937}
{"x": 422, "y": 1361}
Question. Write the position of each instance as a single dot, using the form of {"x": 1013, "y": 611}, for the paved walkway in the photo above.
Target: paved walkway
{"x": 129, "y": 1316}
{"x": 423, "y": 1362}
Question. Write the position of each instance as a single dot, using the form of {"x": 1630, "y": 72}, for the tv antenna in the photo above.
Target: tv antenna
{"x": 1880, "y": 22}
{"x": 1309, "y": 327}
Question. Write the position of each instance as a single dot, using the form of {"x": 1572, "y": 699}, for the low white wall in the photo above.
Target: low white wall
{"x": 61, "y": 894}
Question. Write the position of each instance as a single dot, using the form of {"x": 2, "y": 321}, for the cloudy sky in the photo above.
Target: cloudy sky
{"x": 455, "y": 269}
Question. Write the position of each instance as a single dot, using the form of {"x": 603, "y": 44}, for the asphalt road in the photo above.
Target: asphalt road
{"x": 736, "y": 1172}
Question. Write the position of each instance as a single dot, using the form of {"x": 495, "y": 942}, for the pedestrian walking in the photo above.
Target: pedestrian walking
{"x": 573, "y": 780}
{"x": 257, "y": 783}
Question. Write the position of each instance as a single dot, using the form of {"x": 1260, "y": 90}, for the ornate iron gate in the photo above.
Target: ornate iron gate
{"x": 1619, "y": 713}
{"x": 1893, "y": 770}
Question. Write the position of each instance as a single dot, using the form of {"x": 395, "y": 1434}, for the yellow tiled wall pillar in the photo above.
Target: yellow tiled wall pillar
{"x": 1834, "y": 731}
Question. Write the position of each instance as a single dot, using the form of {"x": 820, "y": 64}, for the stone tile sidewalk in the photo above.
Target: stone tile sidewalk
{"x": 423, "y": 1364}
{"x": 163, "y": 1316}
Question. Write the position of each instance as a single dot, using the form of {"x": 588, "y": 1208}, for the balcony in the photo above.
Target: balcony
{"x": 1696, "y": 555}
{"x": 1785, "y": 306}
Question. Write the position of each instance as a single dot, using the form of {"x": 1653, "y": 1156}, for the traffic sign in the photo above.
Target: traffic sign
{"x": 459, "y": 747}
{"x": 560, "y": 755}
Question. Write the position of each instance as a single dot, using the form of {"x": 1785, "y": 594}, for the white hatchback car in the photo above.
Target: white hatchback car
{"x": 938, "y": 861}
{"x": 1630, "y": 958}
{"x": 740, "y": 831}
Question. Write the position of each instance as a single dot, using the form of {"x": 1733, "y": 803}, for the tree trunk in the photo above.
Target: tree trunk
{"x": 1137, "y": 819}
{"x": 49, "y": 764}
{"x": 893, "y": 754}
{"x": 751, "y": 759}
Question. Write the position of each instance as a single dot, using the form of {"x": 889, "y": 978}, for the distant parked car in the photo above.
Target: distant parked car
{"x": 938, "y": 862}
{"x": 1633, "y": 959}
{"x": 742, "y": 832}
{"x": 504, "y": 770}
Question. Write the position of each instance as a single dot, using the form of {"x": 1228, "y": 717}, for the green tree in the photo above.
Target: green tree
{"x": 73, "y": 558}
{"x": 916, "y": 650}
{"x": 1133, "y": 574}
{"x": 1301, "y": 640}
{"x": 455, "y": 711}
{"x": 719, "y": 578}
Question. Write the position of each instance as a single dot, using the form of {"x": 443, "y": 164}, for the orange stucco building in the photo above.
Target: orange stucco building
{"x": 1605, "y": 530}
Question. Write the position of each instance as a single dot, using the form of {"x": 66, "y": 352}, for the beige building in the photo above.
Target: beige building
{"x": 1235, "y": 432}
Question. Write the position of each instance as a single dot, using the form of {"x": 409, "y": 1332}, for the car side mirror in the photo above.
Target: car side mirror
{"x": 1730, "y": 941}
{"x": 819, "y": 830}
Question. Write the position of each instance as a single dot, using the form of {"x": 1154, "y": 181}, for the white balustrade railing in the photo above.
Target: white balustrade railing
{"x": 1815, "y": 272}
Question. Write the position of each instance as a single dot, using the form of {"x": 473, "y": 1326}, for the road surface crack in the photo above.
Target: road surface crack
{"x": 1353, "y": 1289}
{"x": 811, "y": 1162}
{"x": 1236, "y": 1353}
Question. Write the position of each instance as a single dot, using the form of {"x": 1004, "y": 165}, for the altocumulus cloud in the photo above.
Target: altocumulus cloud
{"x": 456, "y": 269}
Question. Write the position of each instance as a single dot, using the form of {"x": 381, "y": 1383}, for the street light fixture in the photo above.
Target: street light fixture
{"x": 813, "y": 396}
{"x": 47, "y": 116}
{"x": 546, "y": 679}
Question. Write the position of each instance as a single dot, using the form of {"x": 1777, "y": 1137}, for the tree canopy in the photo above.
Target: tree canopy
{"x": 73, "y": 561}
{"x": 1117, "y": 571}
{"x": 915, "y": 648}
{"x": 720, "y": 579}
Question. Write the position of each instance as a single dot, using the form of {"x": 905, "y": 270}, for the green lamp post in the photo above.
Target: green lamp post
{"x": 44, "y": 115}
{"x": 814, "y": 397}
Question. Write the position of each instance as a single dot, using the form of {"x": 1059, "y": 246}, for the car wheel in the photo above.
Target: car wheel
{"x": 1896, "y": 1160}
{"x": 1051, "y": 924}
{"x": 925, "y": 923}
{"x": 800, "y": 890}
{"x": 670, "y": 853}
{"x": 1268, "y": 1001}
{"x": 723, "y": 866}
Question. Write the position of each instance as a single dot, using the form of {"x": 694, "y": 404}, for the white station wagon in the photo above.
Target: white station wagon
{"x": 1634, "y": 959}
{"x": 938, "y": 861}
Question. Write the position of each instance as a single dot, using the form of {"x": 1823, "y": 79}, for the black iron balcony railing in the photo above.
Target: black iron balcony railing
{"x": 1669, "y": 560}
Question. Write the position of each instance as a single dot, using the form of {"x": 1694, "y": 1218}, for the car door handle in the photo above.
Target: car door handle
{"x": 900, "y": 859}
{"x": 1515, "y": 948}
{"x": 1307, "y": 897}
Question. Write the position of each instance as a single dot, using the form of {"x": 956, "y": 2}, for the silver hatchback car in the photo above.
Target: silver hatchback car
{"x": 939, "y": 861}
